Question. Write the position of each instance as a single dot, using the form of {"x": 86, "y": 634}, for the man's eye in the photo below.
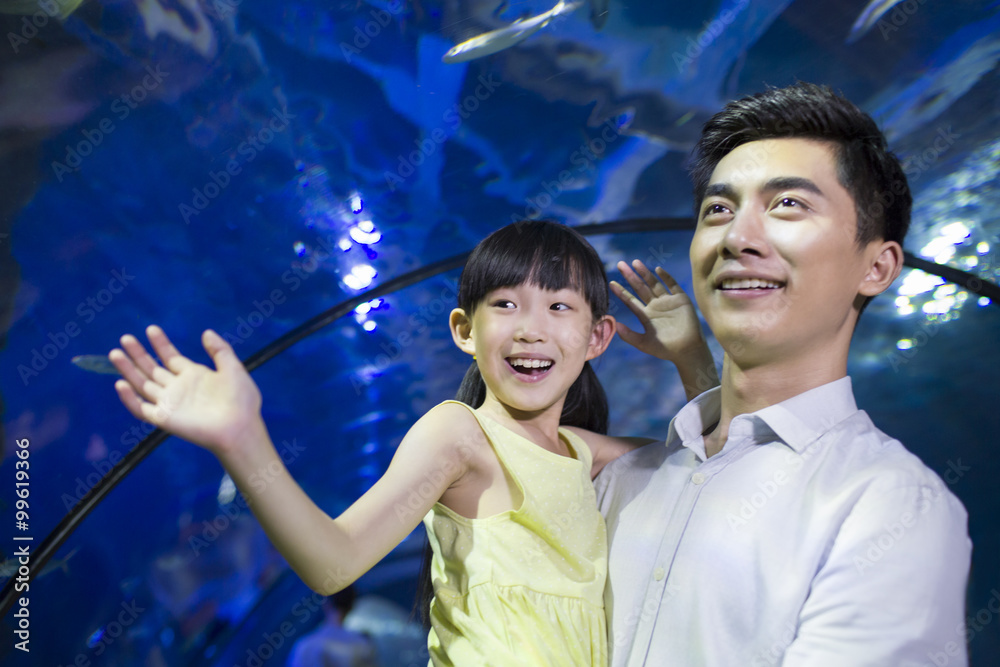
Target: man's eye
{"x": 788, "y": 201}
{"x": 714, "y": 209}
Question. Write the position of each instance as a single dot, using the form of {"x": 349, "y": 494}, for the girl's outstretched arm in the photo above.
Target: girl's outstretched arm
{"x": 671, "y": 330}
{"x": 220, "y": 410}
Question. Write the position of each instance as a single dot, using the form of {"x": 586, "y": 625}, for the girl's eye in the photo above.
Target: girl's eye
{"x": 503, "y": 303}
{"x": 559, "y": 306}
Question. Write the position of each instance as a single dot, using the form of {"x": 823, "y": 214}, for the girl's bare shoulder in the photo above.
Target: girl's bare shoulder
{"x": 606, "y": 448}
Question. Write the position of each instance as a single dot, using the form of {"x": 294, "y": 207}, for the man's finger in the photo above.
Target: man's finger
{"x": 636, "y": 282}
{"x": 668, "y": 280}
{"x": 630, "y": 300}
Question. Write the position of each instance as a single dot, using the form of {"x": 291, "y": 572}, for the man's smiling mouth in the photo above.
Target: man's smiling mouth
{"x": 749, "y": 283}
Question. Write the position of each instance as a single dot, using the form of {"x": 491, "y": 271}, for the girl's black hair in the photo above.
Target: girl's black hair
{"x": 553, "y": 257}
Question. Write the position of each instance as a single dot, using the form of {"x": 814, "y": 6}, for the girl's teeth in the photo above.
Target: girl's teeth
{"x": 530, "y": 363}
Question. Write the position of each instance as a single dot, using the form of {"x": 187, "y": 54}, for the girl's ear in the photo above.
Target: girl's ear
{"x": 600, "y": 336}
{"x": 461, "y": 331}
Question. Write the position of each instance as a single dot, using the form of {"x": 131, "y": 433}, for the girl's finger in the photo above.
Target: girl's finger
{"x": 125, "y": 363}
{"x": 165, "y": 350}
{"x": 140, "y": 358}
{"x": 129, "y": 398}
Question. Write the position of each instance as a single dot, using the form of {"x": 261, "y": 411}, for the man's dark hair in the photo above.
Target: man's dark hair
{"x": 865, "y": 167}
{"x": 343, "y": 600}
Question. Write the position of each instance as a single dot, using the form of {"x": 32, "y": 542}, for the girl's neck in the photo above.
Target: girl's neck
{"x": 541, "y": 427}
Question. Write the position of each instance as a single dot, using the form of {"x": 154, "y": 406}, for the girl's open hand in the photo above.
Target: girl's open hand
{"x": 670, "y": 324}
{"x": 211, "y": 408}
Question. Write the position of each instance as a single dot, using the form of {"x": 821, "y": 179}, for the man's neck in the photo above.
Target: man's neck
{"x": 748, "y": 388}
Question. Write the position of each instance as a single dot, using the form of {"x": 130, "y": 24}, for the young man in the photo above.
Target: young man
{"x": 778, "y": 526}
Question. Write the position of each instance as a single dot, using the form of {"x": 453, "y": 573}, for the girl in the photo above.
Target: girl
{"x": 503, "y": 485}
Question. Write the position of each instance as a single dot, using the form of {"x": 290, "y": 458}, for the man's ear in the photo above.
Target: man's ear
{"x": 461, "y": 331}
{"x": 886, "y": 263}
{"x": 600, "y": 336}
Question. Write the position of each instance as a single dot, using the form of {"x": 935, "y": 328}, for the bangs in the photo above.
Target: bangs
{"x": 543, "y": 254}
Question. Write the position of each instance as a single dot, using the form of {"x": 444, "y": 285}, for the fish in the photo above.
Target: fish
{"x": 9, "y": 567}
{"x": 869, "y": 16}
{"x": 497, "y": 40}
{"x": 95, "y": 363}
{"x": 598, "y": 13}
{"x": 60, "y": 8}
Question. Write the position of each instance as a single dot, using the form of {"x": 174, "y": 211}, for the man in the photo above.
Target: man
{"x": 778, "y": 526}
{"x": 331, "y": 644}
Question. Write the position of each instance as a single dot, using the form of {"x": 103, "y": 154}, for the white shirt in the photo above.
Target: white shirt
{"x": 812, "y": 539}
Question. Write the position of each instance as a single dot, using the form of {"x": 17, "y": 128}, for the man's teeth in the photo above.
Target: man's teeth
{"x": 749, "y": 283}
{"x": 530, "y": 363}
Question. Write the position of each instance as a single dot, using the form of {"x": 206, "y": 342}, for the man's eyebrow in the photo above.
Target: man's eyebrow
{"x": 721, "y": 190}
{"x": 792, "y": 183}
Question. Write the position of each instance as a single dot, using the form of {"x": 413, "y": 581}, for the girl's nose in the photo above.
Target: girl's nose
{"x": 529, "y": 330}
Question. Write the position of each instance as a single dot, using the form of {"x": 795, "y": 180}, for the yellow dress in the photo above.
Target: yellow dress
{"x": 524, "y": 587}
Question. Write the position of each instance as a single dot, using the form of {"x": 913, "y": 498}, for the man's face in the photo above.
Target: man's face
{"x": 775, "y": 265}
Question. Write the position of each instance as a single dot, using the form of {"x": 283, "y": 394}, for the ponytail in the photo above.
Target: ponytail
{"x": 586, "y": 406}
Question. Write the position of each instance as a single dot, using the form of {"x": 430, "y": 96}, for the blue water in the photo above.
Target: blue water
{"x": 244, "y": 166}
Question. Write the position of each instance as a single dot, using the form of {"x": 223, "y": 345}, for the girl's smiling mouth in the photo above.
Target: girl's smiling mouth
{"x": 530, "y": 368}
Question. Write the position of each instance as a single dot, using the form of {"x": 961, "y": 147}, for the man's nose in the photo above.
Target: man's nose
{"x": 746, "y": 233}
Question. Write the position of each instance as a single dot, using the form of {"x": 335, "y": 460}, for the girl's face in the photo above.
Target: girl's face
{"x": 531, "y": 344}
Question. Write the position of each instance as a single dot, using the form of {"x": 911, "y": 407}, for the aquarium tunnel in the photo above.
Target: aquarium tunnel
{"x": 306, "y": 178}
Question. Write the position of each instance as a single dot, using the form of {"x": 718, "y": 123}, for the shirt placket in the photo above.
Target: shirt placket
{"x": 661, "y": 588}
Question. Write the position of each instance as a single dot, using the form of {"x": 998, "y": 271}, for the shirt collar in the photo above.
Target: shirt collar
{"x": 801, "y": 419}
{"x": 797, "y": 421}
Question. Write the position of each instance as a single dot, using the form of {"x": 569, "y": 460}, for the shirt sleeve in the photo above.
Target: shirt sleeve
{"x": 892, "y": 588}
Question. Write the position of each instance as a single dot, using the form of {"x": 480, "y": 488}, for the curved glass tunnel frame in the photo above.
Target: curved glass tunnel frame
{"x": 75, "y": 516}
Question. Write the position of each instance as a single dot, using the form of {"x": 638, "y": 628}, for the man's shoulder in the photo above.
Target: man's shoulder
{"x": 861, "y": 453}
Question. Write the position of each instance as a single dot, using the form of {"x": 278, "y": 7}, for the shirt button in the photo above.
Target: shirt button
{"x": 658, "y": 574}
{"x": 698, "y": 478}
